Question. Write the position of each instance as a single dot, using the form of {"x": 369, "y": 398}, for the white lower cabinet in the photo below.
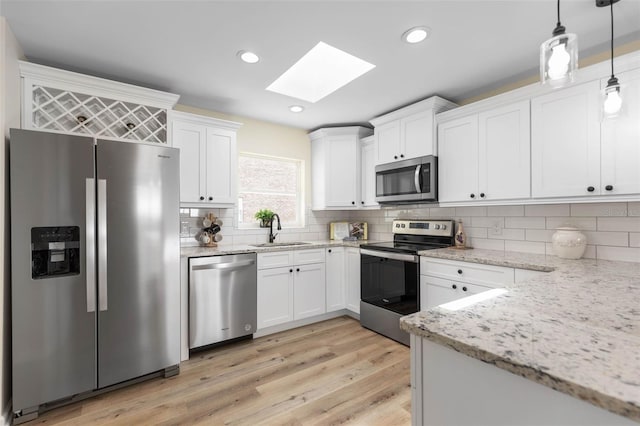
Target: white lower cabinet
{"x": 352, "y": 259}
{"x": 290, "y": 286}
{"x": 336, "y": 291}
{"x": 436, "y": 291}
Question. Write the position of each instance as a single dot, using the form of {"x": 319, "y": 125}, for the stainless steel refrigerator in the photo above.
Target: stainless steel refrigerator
{"x": 95, "y": 256}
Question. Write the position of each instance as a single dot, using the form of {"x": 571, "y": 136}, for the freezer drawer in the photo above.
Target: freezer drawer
{"x": 222, "y": 298}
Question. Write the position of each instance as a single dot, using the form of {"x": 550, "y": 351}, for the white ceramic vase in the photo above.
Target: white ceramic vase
{"x": 569, "y": 243}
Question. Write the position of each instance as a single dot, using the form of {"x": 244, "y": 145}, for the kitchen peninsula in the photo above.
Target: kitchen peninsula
{"x": 556, "y": 329}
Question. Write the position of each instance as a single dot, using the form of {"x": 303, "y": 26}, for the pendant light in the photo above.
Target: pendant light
{"x": 612, "y": 101}
{"x": 559, "y": 56}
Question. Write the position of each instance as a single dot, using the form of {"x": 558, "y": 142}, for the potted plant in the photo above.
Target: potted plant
{"x": 265, "y": 216}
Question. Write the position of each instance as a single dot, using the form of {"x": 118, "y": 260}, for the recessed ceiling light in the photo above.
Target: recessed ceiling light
{"x": 296, "y": 108}
{"x": 320, "y": 72}
{"x": 248, "y": 57}
{"x": 416, "y": 34}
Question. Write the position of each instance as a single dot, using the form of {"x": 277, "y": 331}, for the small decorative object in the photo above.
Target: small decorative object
{"x": 265, "y": 216}
{"x": 210, "y": 233}
{"x": 358, "y": 230}
{"x": 569, "y": 242}
{"x": 460, "y": 237}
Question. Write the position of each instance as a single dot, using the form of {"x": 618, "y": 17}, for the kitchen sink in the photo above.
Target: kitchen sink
{"x": 297, "y": 243}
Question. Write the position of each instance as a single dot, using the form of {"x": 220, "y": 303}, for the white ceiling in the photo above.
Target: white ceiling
{"x": 189, "y": 47}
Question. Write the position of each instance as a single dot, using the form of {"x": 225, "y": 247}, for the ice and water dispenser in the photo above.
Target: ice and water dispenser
{"x": 55, "y": 251}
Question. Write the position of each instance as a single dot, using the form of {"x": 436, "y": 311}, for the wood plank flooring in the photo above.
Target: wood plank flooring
{"x": 333, "y": 372}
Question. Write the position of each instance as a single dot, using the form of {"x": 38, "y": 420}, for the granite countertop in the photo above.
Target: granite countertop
{"x": 200, "y": 251}
{"x": 575, "y": 329}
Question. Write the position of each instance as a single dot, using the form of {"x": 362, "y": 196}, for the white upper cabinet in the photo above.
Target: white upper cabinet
{"x": 565, "y": 142}
{"x": 368, "y": 179}
{"x": 485, "y": 156}
{"x": 620, "y": 149}
{"x": 208, "y": 160}
{"x": 335, "y": 167}
{"x": 408, "y": 132}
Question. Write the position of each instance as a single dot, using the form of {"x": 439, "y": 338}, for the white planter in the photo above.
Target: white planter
{"x": 569, "y": 243}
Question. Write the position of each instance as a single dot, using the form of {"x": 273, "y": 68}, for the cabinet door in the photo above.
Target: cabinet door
{"x": 432, "y": 294}
{"x": 275, "y": 296}
{"x": 504, "y": 153}
{"x": 388, "y": 142}
{"x": 335, "y": 279}
{"x": 417, "y": 135}
{"x": 190, "y": 139}
{"x": 343, "y": 182}
{"x": 621, "y": 141}
{"x": 565, "y": 142}
{"x": 368, "y": 179}
{"x": 221, "y": 166}
{"x": 458, "y": 160}
{"x": 353, "y": 279}
{"x": 309, "y": 291}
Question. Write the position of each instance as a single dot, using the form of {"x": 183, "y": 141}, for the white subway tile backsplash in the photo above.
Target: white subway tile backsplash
{"x": 475, "y": 232}
{"x": 624, "y": 254}
{"x": 441, "y": 212}
{"x": 599, "y": 209}
{"x": 525, "y": 246}
{"x": 506, "y": 234}
{"x": 623, "y": 224}
{"x": 582, "y": 223}
{"x": 543, "y": 235}
{"x": 483, "y": 243}
{"x": 505, "y": 211}
{"x": 589, "y": 253}
{"x": 634, "y": 239}
{"x": 620, "y": 239}
{"x": 487, "y": 222}
{"x": 547, "y": 210}
{"x": 471, "y": 211}
{"x": 633, "y": 209}
{"x": 525, "y": 222}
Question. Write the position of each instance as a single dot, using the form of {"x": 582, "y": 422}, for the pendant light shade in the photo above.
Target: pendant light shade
{"x": 559, "y": 56}
{"x": 611, "y": 97}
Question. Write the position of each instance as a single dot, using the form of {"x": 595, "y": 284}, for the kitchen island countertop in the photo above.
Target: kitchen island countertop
{"x": 575, "y": 329}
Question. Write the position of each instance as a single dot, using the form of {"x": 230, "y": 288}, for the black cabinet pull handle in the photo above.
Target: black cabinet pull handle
{"x": 472, "y": 195}
{"x": 395, "y": 157}
{"x": 454, "y": 286}
{"x": 464, "y": 289}
{"x": 609, "y": 187}
{"x": 591, "y": 189}
{"x": 482, "y": 195}
{"x": 201, "y": 198}
{"x": 460, "y": 271}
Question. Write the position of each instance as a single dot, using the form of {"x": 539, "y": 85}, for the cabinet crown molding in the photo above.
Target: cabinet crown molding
{"x": 358, "y": 131}
{"x": 436, "y": 103}
{"x": 73, "y": 81}
{"x": 203, "y": 120}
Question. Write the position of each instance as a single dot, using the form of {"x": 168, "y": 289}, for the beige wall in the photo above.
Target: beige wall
{"x": 266, "y": 138}
{"x": 10, "y": 52}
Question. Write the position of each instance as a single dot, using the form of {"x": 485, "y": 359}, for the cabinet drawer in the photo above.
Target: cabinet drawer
{"x": 302, "y": 257}
{"x": 487, "y": 275}
{"x": 275, "y": 259}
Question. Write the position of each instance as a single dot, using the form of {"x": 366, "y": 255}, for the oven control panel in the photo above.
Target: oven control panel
{"x": 442, "y": 228}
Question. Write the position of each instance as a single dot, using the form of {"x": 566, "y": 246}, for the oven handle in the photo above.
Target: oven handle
{"x": 416, "y": 178}
{"x": 394, "y": 256}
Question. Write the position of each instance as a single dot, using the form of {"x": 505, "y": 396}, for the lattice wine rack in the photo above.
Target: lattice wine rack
{"x": 67, "y": 111}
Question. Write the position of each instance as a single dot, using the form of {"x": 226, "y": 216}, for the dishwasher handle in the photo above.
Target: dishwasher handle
{"x": 229, "y": 265}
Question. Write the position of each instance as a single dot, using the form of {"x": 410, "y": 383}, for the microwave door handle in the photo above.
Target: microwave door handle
{"x": 417, "y": 178}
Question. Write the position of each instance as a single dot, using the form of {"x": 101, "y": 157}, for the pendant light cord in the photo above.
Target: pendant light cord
{"x": 611, "y": 38}
{"x": 558, "y": 6}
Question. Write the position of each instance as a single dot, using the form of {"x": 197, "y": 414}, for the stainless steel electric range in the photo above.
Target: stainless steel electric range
{"x": 390, "y": 274}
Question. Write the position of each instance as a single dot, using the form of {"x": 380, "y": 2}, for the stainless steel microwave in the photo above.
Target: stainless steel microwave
{"x": 408, "y": 181}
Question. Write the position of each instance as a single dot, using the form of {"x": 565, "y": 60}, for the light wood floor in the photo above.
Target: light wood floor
{"x": 333, "y": 372}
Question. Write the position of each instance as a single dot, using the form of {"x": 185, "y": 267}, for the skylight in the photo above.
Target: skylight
{"x": 320, "y": 72}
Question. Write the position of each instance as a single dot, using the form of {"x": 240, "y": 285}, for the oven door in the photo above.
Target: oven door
{"x": 406, "y": 181}
{"x": 390, "y": 280}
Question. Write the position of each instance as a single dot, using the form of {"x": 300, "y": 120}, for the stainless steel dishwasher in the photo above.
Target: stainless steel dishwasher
{"x": 222, "y": 298}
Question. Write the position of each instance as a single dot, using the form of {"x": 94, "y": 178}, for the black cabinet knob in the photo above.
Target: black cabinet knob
{"x": 362, "y": 202}
{"x": 401, "y": 155}
{"x": 353, "y": 202}
{"x": 290, "y": 270}
{"x": 472, "y": 195}
{"x": 454, "y": 286}
{"x": 482, "y": 195}
{"x": 395, "y": 157}
{"x": 329, "y": 250}
{"x": 201, "y": 198}
{"x": 210, "y": 198}
{"x": 460, "y": 271}
{"x": 609, "y": 187}
{"x": 591, "y": 189}
{"x": 297, "y": 269}
{"x": 464, "y": 289}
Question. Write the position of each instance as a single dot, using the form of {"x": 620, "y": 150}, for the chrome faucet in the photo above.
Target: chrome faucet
{"x": 272, "y": 236}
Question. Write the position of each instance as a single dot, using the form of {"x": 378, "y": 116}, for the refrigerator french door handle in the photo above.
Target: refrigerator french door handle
{"x": 416, "y": 178}
{"x": 90, "y": 243}
{"x": 102, "y": 244}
